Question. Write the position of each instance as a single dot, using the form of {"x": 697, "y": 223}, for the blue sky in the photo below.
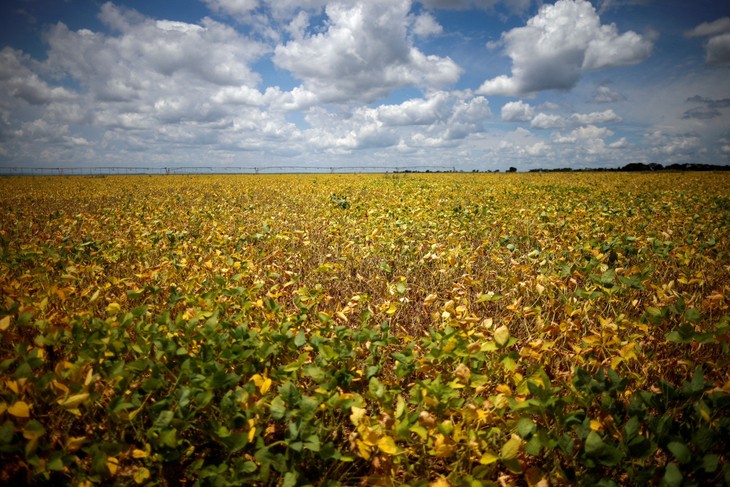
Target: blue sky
{"x": 471, "y": 84}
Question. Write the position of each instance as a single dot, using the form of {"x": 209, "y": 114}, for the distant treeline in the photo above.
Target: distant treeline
{"x": 640, "y": 166}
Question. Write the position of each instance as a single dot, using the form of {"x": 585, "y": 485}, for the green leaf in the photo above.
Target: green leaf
{"x": 698, "y": 381}
{"x": 7, "y": 430}
{"x": 511, "y": 448}
{"x": 631, "y": 428}
{"x": 300, "y": 339}
{"x": 534, "y": 446}
{"x": 277, "y": 408}
{"x": 312, "y": 443}
{"x": 376, "y": 388}
{"x": 169, "y": 438}
{"x": 33, "y": 430}
{"x": 316, "y": 373}
{"x": 235, "y": 441}
{"x": 672, "y": 476}
{"x": 692, "y": 315}
{"x": 594, "y": 444}
{"x": 710, "y": 463}
{"x": 163, "y": 419}
{"x": 55, "y": 463}
{"x": 525, "y": 427}
{"x": 290, "y": 479}
{"x": 680, "y": 451}
{"x": 488, "y": 458}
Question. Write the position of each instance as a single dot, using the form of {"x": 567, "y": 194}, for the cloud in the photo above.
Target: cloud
{"x": 604, "y": 94}
{"x": 672, "y": 144}
{"x": 437, "y": 120}
{"x": 18, "y": 81}
{"x": 589, "y": 139}
{"x": 537, "y": 149}
{"x": 621, "y": 143}
{"x": 148, "y": 51}
{"x": 156, "y": 70}
{"x": 363, "y": 54}
{"x": 596, "y": 117}
{"x": 418, "y": 111}
{"x": 517, "y": 111}
{"x": 234, "y": 8}
{"x": 558, "y": 44}
{"x": 425, "y": 25}
{"x": 547, "y": 121}
{"x": 709, "y": 108}
{"x": 717, "y": 47}
{"x": 715, "y": 27}
{"x": 551, "y": 121}
{"x": 513, "y": 6}
{"x": 718, "y": 50}
{"x": 701, "y": 113}
{"x": 152, "y": 85}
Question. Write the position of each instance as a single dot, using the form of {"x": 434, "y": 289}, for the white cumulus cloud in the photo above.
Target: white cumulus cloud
{"x": 596, "y": 117}
{"x": 517, "y": 111}
{"x": 547, "y": 121}
{"x": 363, "y": 54}
{"x": 425, "y": 25}
{"x": 604, "y": 94}
{"x": 560, "y": 42}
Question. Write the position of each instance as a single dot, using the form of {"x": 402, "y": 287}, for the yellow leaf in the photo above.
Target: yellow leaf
{"x": 363, "y": 448}
{"x": 20, "y": 410}
{"x": 511, "y": 448}
{"x": 112, "y": 464}
{"x": 72, "y": 401}
{"x": 74, "y": 443}
{"x": 137, "y": 453}
{"x": 488, "y": 458}
{"x": 12, "y": 385}
{"x": 59, "y": 386}
{"x": 251, "y": 434}
{"x": 596, "y": 425}
{"x": 357, "y": 414}
{"x": 140, "y": 475}
{"x": 5, "y": 323}
{"x": 463, "y": 372}
{"x": 387, "y": 445}
{"x": 263, "y": 383}
{"x": 113, "y": 308}
{"x": 501, "y": 336}
{"x": 443, "y": 446}
{"x": 440, "y": 482}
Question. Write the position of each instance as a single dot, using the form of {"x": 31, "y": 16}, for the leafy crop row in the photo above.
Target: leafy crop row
{"x": 336, "y": 330}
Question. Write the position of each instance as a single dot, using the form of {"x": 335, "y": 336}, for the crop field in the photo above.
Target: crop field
{"x": 420, "y": 329}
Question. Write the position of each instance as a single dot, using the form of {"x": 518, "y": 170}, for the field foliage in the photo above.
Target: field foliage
{"x": 451, "y": 329}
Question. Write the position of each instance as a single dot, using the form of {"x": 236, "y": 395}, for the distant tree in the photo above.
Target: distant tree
{"x": 512, "y": 169}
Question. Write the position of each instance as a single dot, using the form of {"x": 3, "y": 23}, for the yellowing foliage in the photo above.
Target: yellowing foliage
{"x": 279, "y": 329}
